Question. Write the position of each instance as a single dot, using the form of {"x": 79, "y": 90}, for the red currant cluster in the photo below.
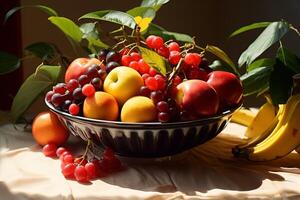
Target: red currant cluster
{"x": 80, "y": 168}
{"x": 69, "y": 96}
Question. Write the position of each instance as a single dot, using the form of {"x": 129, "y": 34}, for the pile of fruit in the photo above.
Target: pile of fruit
{"x": 121, "y": 85}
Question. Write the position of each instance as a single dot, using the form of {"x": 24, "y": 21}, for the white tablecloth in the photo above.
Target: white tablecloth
{"x": 206, "y": 172}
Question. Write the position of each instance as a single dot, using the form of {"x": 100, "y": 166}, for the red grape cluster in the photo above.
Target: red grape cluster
{"x": 69, "y": 96}
{"x": 80, "y": 168}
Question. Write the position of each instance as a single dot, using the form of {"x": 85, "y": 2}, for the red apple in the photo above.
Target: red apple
{"x": 197, "y": 97}
{"x": 79, "y": 67}
{"x": 228, "y": 87}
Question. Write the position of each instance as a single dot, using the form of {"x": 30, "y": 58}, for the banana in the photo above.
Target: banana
{"x": 243, "y": 116}
{"x": 283, "y": 139}
{"x": 268, "y": 130}
{"x": 262, "y": 121}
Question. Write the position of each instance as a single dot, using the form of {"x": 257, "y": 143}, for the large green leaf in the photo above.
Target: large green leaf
{"x": 250, "y": 27}
{"x": 289, "y": 59}
{"x": 154, "y": 60}
{"x": 217, "y": 65}
{"x": 8, "y": 62}
{"x": 113, "y": 16}
{"x": 91, "y": 33}
{"x": 167, "y": 35}
{"x": 154, "y": 27}
{"x": 281, "y": 83}
{"x": 45, "y": 9}
{"x": 156, "y": 4}
{"x": 41, "y": 50}
{"x": 34, "y": 86}
{"x": 264, "y": 62}
{"x": 273, "y": 33}
{"x": 68, "y": 27}
{"x": 142, "y": 12}
{"x": 256, "y": 80}
{"x": 222, "y": 55}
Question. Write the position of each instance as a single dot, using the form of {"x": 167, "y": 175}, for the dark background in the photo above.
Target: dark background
{"x": 210, "y": 21}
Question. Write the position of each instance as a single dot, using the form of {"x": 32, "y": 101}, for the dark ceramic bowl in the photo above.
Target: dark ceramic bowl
{"x": 152, "y": 139}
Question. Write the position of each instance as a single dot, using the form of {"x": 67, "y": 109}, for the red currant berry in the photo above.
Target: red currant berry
{"x": 161, "y": 82}
{"x": 163, "y": 51}
{"x": 68, "y": 170}
{"x": 80, "y": 174}
{"x": 152, "y": 72}
{"x": 115, "y": 165}
{"x": 145, "y": 91}
{"x": 61, "y": 157}
{"x": 157, "y": 42}
{"x": 174, "y": 57}
{"x": 163, "y": 117}
{"x": 134, "y": 65}
{"x": 125, "y": 60}
{"x": 60, "y": 151}
{"x": 162, "y": 106}
{"x": 49, "y": 96}
{"x": 174, "y": 46}
{"x": 108, "y": 154}
{"x": 74, "y": 109}
{"x": 49, "y": 150}
{"x": 193, "y": 59}
{"x": 149, "y": 41}
{"x": 143, "y": 67}
{"x": 124, "y": 51}
{"x": 91, "y": 170}
{"x": 135, "y": 56}
{"x": 151, "y": 83}
{"x": 68, "y": 159}
{"x": 80, "y": 161}
{"x": 176, "y": 80}
{"x": 88, "y": 90}
{"x": 145, "y": 76}
{"x": 72, "y": 85}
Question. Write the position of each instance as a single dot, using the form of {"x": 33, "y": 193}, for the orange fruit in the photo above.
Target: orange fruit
{"x": 101, "y": 105}
{"x": 46, "y": 128}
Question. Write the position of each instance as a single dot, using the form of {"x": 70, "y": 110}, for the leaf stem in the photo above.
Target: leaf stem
{"x": 295, "y": 29}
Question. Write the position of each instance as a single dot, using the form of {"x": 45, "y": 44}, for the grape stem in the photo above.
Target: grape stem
{"x": 175, "y": 71}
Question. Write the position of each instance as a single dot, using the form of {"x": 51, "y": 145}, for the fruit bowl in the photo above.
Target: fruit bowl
{"x": 146, "y": 140}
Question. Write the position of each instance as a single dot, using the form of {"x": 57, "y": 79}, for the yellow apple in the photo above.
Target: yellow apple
{"x": 139, "y": 109}
{"x": 123, "y": 83}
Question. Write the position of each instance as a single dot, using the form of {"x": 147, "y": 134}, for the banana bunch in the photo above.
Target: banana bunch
{"x": 272, "y": 133}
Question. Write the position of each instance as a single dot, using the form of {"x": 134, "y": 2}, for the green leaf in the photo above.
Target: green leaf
{"x": 42, "y": 50}
{"x": 289, "y": 59}
{"x": 256, "y": 80}
{"x": 8, "y": 62}
{"x": 34, "y": 86}
{"x": 167, "y": 35}
{"x": 113, "y": 16}
{"x": 222, "y": 55}
{"x": 250, "y": 27}
{"x": 155, "y": 27}
{"x": 156, "y": 4}
{"x": 142, "y": 12}
{"x": 91, "y": 33}
{"x": 68, "y": 27}
{"x": 154, "y": 60}
{"x": 264, "y": 62}
{"x": 281, "y": 83}
{"x": 273, "y": 33}
{"x": 217, "y": 65}
{"x": 45, "y": 9}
